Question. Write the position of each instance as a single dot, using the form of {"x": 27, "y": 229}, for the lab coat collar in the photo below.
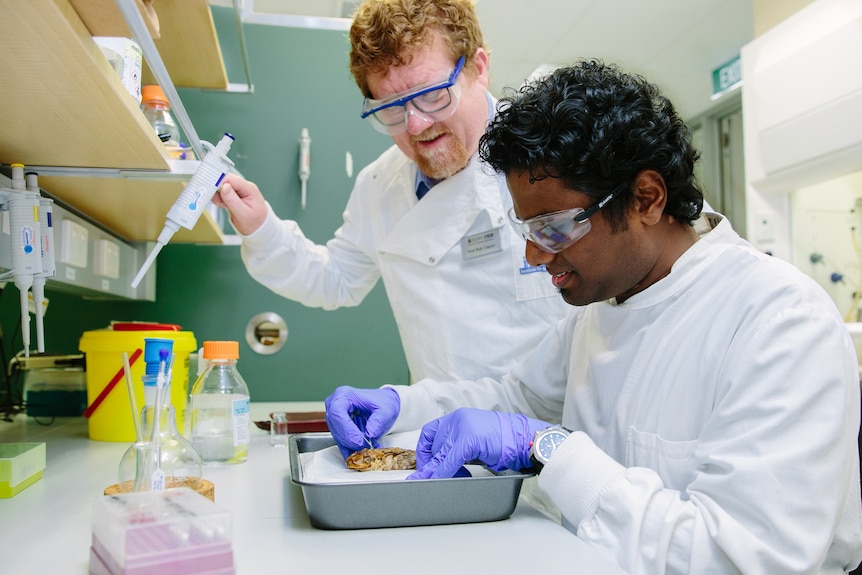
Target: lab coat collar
{"x": 436, "y": 224}
{"x": 715, "y": 236}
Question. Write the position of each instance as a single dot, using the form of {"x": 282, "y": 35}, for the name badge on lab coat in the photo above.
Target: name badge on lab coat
{"x": 482, "y": 244}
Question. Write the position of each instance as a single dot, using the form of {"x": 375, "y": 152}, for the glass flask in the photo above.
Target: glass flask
{"x": 178, "y": 460}
{"x": 219, "y": 404}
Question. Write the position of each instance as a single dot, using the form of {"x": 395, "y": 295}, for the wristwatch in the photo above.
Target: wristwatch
{"x": 545, "y": 442}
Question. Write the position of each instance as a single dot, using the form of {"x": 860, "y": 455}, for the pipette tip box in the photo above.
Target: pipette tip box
{"x": 176, "y": 531}
{"x": 21, "y": 465}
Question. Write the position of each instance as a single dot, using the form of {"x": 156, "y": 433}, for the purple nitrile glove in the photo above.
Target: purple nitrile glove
{"x": 499, "y": 440}
{"x": 354, "y": 415}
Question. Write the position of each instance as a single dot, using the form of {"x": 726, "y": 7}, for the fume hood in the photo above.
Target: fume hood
{"x": 802, "y": 118}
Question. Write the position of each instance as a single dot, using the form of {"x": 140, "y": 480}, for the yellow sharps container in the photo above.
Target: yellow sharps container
{"x": 112, "y": 420}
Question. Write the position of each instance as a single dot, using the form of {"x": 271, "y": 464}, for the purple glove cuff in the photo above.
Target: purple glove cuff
{"x": 516, "y": 437}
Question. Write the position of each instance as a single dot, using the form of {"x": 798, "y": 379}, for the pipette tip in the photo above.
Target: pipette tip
{"x": 147, "y": 263}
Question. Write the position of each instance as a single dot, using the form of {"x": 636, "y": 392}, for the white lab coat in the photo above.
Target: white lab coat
{"x": 715, "y": 417}
{"x": 458, "y": 318}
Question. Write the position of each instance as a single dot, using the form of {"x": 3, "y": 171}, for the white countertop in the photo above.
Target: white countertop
{"x": 47, "y": 527}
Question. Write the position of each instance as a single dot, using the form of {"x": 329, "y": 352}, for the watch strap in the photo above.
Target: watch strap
{"x": 537, "y": 465}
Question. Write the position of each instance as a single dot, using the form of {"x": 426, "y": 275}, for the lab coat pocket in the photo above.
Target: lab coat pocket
{"x": 674, "y": 461}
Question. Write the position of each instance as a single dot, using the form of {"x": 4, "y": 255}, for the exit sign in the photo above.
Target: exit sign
{"x": 726, "y": 77}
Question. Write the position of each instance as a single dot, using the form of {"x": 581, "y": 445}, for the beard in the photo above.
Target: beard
{"x": 445, "y": 161}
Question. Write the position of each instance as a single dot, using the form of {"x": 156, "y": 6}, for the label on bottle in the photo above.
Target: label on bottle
{"x": 126, "y": 59}
{"x": 241, "y": 415}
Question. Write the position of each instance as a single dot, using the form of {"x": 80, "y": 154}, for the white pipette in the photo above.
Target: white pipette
{"x": 25, "y": 237}
{"x": 133, "y": 402}
{"x": 304, "y": 162}
{"x": 49, "y": 266}
{"x": 194, "y": 199}
{"x": 157, "y": 475}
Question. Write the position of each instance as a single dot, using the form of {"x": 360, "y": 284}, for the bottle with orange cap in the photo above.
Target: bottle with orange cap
{"x": 158, "y": 112}
{"x": 219, "y": 403}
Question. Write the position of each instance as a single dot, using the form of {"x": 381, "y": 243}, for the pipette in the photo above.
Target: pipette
{"x": 304, "y": 162}
{"x": 150, "y": 476}
{"x": 133, "y": 402}
{"x": 25, "y": 237}
{"x": 194, "y": 199}
{"x": 157, "y": 477}
{"x": 49, "y": 268}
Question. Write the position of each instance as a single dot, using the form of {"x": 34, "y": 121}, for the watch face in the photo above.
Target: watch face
{"x": 549, "y": 441}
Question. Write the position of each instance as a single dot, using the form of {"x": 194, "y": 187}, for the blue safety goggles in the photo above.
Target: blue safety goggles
{"x": 437, "y": 100}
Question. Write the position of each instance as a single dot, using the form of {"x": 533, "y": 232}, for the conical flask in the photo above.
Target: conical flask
{"x": 170, "y": 461}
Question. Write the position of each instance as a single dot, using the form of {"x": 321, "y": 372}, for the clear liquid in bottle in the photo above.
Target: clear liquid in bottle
{"x": 219, "y": 405}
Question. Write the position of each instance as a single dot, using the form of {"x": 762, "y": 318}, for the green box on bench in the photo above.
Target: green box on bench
{"x": 21, "y": 465}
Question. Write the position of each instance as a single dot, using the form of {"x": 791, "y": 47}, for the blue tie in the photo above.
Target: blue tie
{"x": 422, "y": 189}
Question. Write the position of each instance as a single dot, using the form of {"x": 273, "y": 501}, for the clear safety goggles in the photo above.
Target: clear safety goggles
{"x": 437, "y": 100}
{"x": 554, "y": 232}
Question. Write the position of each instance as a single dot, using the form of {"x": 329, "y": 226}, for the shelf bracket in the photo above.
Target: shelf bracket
{"x": 237, "y": 10}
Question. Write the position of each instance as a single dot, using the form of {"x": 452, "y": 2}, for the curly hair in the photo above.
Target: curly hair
{"x": 384, "y": 33}
{"x": 596, "y": 127}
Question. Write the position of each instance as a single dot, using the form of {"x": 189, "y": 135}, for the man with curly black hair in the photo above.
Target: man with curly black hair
{"x": 708, "y": 393}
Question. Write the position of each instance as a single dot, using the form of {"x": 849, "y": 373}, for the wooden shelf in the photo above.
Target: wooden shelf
{"x": 189, "y": 46}
{"x": 103, "y": 17}
{"x": 63, "y": 106}
{"x": 184, "y": 34}
{"x": 133, "y": 209}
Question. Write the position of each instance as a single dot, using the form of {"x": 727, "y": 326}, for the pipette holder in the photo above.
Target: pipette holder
{"x": 25, "y": 239}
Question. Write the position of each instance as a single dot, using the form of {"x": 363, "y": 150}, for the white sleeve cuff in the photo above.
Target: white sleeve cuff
{"x": 418, "y": 407}
{"x": 266, "y": 234}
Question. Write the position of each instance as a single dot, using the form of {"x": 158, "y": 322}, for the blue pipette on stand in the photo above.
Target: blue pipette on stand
{"x": 194, "y": 199}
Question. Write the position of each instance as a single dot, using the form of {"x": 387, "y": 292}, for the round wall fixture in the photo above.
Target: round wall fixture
{"x": 266, "y": 333}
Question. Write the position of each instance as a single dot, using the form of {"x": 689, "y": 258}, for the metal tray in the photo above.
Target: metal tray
{"x": 365, "y": 505}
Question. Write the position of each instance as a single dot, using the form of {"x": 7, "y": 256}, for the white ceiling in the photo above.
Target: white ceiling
{"x": 674, "y": 43}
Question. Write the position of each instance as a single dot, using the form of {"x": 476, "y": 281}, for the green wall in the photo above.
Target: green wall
{"x": 300, "y": 80}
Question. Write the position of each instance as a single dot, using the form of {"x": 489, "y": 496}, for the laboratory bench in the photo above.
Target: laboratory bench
{"x": 47, "y": 527}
